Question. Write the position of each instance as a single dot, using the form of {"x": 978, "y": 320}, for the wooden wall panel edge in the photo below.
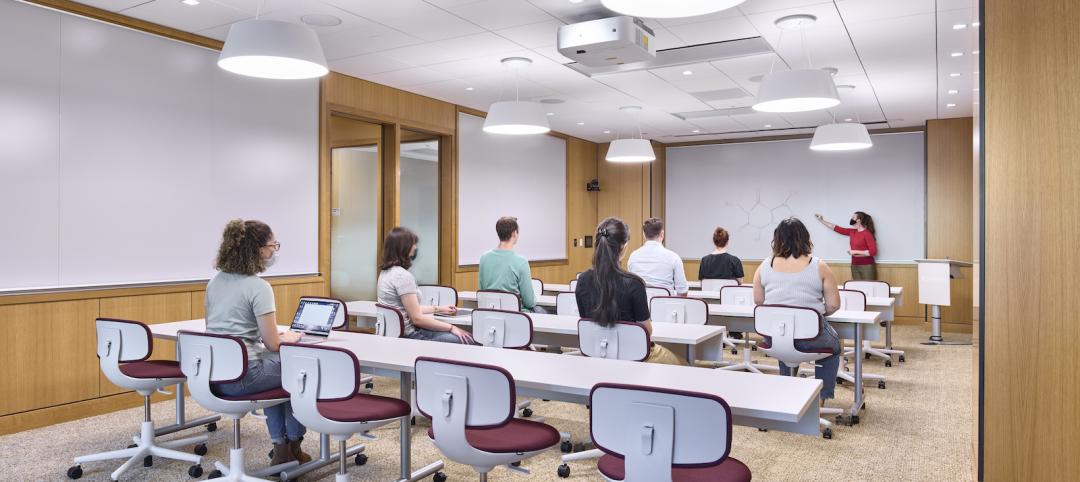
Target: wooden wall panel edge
{"x": 106, "y": 16}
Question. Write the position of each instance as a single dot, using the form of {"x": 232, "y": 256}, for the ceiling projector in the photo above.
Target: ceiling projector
{"x": 608, "y": 41}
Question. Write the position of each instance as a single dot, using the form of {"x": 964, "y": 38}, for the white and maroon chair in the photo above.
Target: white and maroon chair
{"x": 123, "y": 349}
{"x": 679, "y": 309}
{"x": 498, "y": 300}
{"x": 538, "y": 287}
{"x": 741, "y": 296}
{"x": 323, "y": 383}
{"x": 651, "y": 434}
{"x": 877, "y": 289}
{"x": 654, "y": 291}
{"x": 716, "y": 284}
{"x": 389, "y": 321}
{"x": 855, "y": 300}
{"x": 566, "y": 304}
{"x": 782, "y": 326}
{"x": 573, "y": 284}
{"x": 209, "y": 359}
{"x": 471, "y": 408}
{"x": 620, "y": 341}
{"x": 502, "y": 328}
{"x": 436, "y": 295}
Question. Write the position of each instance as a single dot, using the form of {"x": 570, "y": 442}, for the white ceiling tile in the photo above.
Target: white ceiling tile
{"x": 187, "y": 18}
{"x": 646, "y": 86}
{"x": 855, "y": 11}
{"x": 719, "y": 30}
{"x": 469, "y": 46}
{"x": 450, "y": 3}
{"x": 367, "y": 64}
{"x": 499, "y": 14}
{"x": 671, "y": 22}
{"x": 217, "y": 33}
{"x": 540, "y": 34}
{"x": 294, "y": 11}
{"x": 407, "y": 77}
{"x": 354, "y": 42}
{"x": 551, "y": 52}
{"x": 112, "y": 5}
{"x": 413, "y": 17}
{"x": 757, "y": 6}
{"x": 716, "y": 124}
{"x": 758, "y": 121}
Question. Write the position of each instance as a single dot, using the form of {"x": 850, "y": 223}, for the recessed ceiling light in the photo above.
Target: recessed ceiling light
{"x": 957, "y": 54}
{"x": 975, "y": 24}
{"x": 550, "y": 113}
{"x": 950, "y": 105}
{"x": 580, "y": 123}
{"x": 607, "y": 132}
{"x": 695, "y": 131}
{"x": 688, "y": 72}
{"x": 847, "y": 119}
{"x": 974, "y": 52}
{"x": 768, "y": 126}
{"x": 954, "y": 74}
{"x": 321, "y": 20}
{"x": 959, "y": 26}
{"x": 190, "y": 2}
{"x": 669, "y": 8}
{"x": 470, "y": 89}
{"x": 576, "y": 1}
{"x": 954, "y": 91}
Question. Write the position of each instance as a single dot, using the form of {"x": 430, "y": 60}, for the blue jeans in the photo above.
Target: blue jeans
{"x": 825, "y": 370}
{"x": 265, "y": 374}
{"x": 428, "y": 335}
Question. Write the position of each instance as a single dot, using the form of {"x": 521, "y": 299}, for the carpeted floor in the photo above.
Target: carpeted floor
{"x": 919, "y": 428}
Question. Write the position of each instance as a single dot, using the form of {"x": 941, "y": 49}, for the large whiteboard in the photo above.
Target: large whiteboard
{"x": 123, "y": 155}
{"x": 748, "y": 187}
{"x": 503, "y": 175}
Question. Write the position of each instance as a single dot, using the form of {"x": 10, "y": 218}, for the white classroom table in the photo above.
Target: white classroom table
{"x": 556, "y": 330}
{"x": 547, "y": 301}
{"x": 780, "y": 403}
{"x": 896, "y": 292}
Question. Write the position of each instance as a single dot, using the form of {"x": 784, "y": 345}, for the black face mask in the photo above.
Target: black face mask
{"x": 851, "y": 222}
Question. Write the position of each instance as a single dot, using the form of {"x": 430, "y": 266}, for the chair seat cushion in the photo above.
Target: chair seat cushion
{"x": 271, "y": 394}
{"x": 363, "y": 408}
{"x": 516, "y": 436}
{"x": 152, "y": 369}
{"x": 730, "y": 470}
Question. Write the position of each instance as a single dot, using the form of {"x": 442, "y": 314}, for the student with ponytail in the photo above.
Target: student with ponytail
{"x": 241, "y": 304}
{"x": 606, "y": 293}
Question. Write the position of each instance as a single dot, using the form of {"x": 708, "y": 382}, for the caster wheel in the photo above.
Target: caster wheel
{"x": 148, "y": 461}
{"x": 211, "y": 427}
{"x": 866, "y": 356}
{"x": 888, "y": 363}
{"x": 863, "y": 407}
{"x": 902, "y": 360}
{"x": 214, "y": 474}
{"x": 439, "y": 477}
{"x": 546, "y": 399}
{"x": 881, "y": 384}
{"x": 854, "y": 419}
{"x": 360, "y": 459}
{"x": 762, "y": 430}
{"x": 74, "y": 472}
{"x": 516, "y": 464}
{"x": 369, "y": 386}
{"x": 195, "y": 471}
{"x": 200, "y": 449}
{"x": 839, "y": 382}
{"x": 412, "y": 420}
{"x": 132, "y": 446}
{"x": 839, "y": 420}
{"x": 564, "y": 471}
{"x": 734, "y": 351}
{"x": 753, "y": 347}
{"x": 527, "y": 413}
{"x": 566, "y": 447}
{"x": 827, "y": 434}
{"x": 270, "y": 454}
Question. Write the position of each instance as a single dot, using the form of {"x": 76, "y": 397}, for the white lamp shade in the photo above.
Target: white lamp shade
{"x": 841, "y": 137}
{"x": 668, "y": 8}
{"x": 797, "y": 91}
{"x": 516, "y": 117}
{"x": 271, "y": 49}
{"x": 630, "y": 150}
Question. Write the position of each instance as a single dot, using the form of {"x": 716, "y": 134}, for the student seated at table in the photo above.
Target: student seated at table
{"x": 239, "y": 303}
{"x": 397, "y": 287}
{"x": 607, "y": 294}
{"x": 657, "y": 265}
{"x": 792, "y": 276}
{"x": 720, "y": 264}
{"x": 504, "y": 270}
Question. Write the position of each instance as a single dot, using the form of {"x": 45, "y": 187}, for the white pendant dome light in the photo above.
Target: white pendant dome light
{"x": 848, "y": 136}
{"x": 631, "y": 150}
{"x": 516, "y": 117}
{"x": 272, "y": 49}
{"x": 669, "y": 8}
{"x": 796, "y": 90}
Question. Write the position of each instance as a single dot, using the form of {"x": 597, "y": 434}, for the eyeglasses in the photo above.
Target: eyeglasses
{"x": 276, "y": 245}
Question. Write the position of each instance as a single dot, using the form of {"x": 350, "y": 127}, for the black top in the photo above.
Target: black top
{"x": 630, "y": 297}
{"x": 720, "y": 266}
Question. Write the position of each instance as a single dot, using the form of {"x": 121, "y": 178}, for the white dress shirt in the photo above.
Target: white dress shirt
{"x": 659, "y": 267}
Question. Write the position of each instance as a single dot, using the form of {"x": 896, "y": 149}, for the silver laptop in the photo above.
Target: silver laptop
{"x": 315, "y": 319}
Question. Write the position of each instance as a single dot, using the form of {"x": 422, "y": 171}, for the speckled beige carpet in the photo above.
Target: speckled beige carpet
{"x": 919, "y": 428}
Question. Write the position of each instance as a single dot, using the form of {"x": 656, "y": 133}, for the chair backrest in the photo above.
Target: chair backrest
{"x": 538, "y": 287}
{"x": 573, "y": 284}
{"x": 486, "y": 392}
{"x": 875, "y": 289}
{"x": 498, "y": 300}
{"x": 436, "y": 295}
{"x": 714, "y": 284}
{"x": 737, "y": 295}
{"x": 678, "y": 309}
{"x": 342, "y": 315}
{"x": 502, "y": 328}
{"x": 123, "y": 340}
{"x": 654, "y": 291}
{"x": 783, "y": 325}
{"x": 852, "y": 300}
{"x": 566, "y": 304}
{"x": 621, "y": 341}
{"x": 655, "y": 429}
{"x": 207, "y": 359}
{"x": 318, "y": 373}
{"x": 389, "y": 321}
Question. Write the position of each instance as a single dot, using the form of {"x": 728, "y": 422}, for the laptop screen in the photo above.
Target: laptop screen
{"x": 315, "y": 317}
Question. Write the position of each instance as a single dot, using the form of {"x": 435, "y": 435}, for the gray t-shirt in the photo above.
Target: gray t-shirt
{"x": 393, "y": 284}
{"x": 233, "y": 304}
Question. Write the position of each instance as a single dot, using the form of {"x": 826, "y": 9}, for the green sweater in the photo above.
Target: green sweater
{"x": 505, "y": 270}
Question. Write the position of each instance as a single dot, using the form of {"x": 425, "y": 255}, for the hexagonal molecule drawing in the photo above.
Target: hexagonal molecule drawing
{"x": 760, "y": 217}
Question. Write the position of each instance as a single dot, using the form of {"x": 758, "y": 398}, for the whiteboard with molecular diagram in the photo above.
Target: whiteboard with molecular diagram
{"x": 748, "y": 187}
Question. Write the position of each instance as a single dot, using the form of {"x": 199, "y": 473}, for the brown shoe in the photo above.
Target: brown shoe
{"x": 282, "y": 453}
{"x": 297, "y": 453}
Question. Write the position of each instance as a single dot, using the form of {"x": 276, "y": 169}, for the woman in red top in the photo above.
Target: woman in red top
{"x": 863, "y": 245}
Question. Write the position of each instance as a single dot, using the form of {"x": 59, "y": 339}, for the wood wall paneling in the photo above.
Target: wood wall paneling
{"x": 949, "y": 204}
{"x": 1031, "y": 420}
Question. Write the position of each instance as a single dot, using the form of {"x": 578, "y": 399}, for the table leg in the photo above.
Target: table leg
{"x": 407, "y": 475}
{"x": 691, "y": 354}
{"x": 858, "y": 373}
{"x": 181, "y": 418}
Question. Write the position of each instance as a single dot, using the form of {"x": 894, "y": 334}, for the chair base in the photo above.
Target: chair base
{"x": 144, "y": 447}
{"x": 325, "y": 458}
{"x": 236, "y": 470}
{"x": 748, "y": 364}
